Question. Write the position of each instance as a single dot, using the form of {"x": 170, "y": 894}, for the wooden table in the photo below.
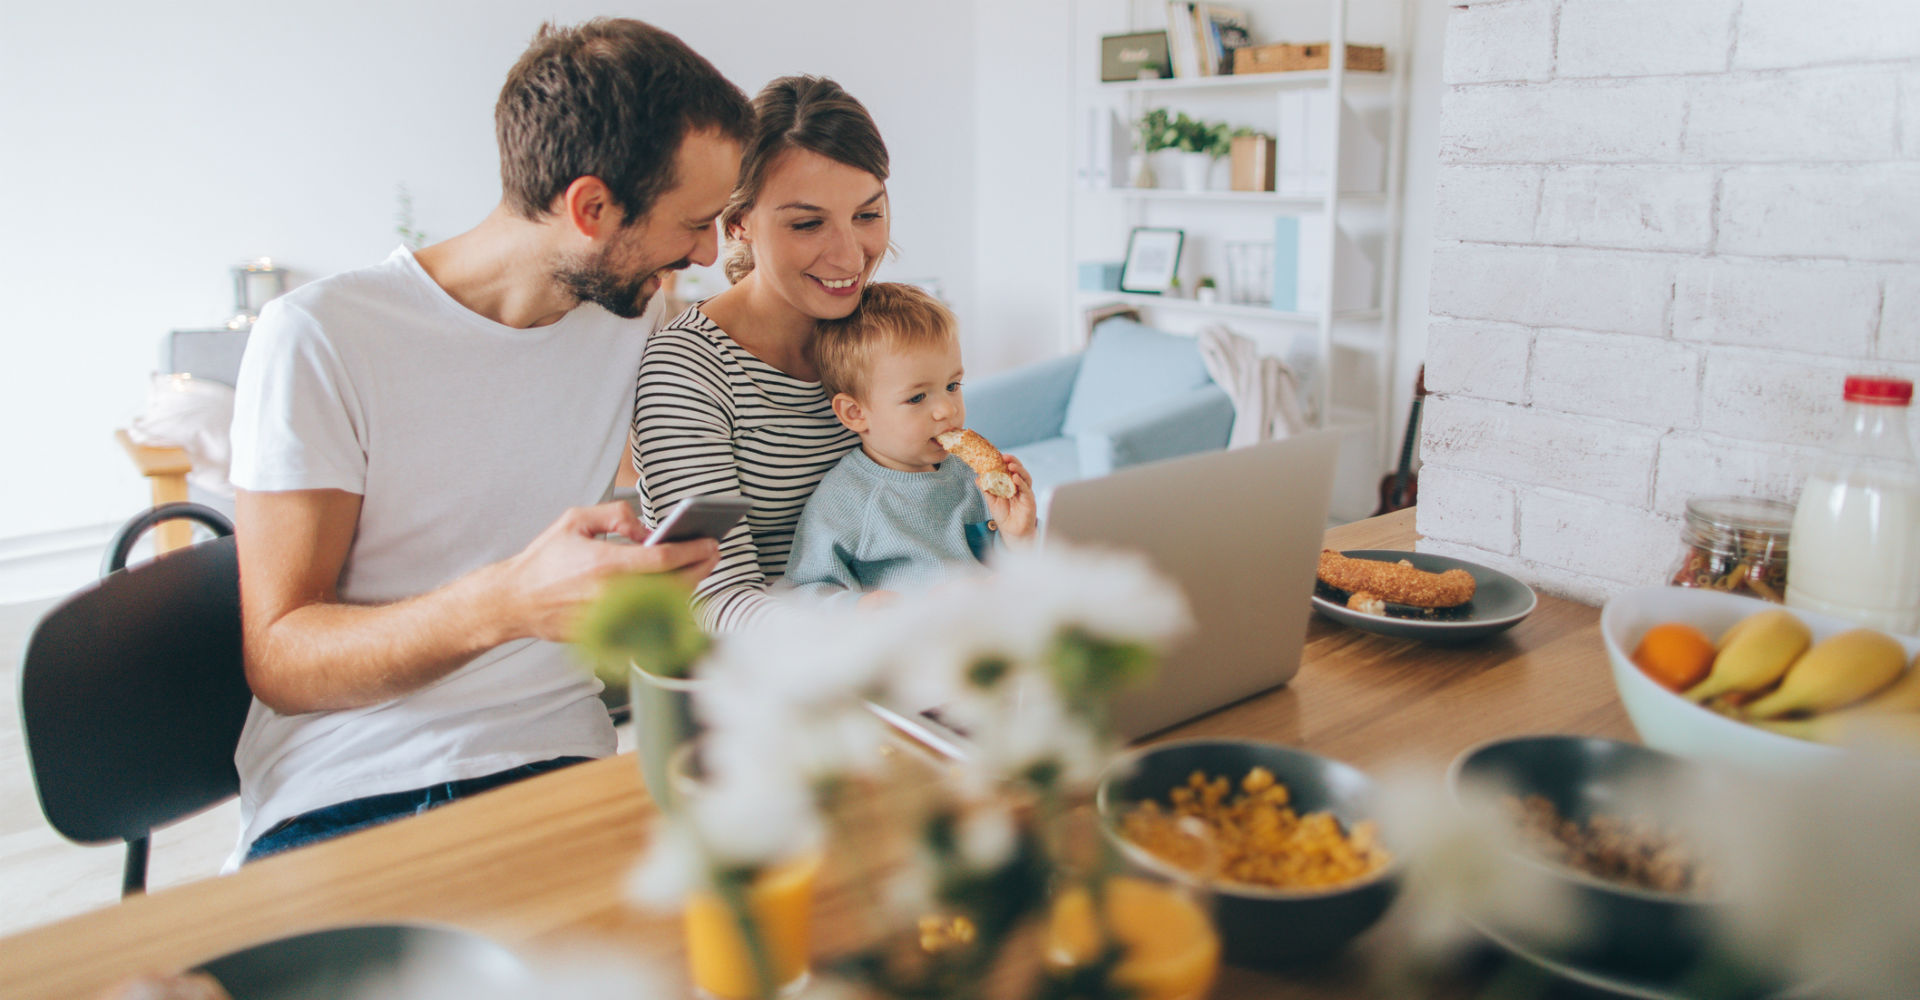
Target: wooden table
{"x": 542, "y": 862}
{"x": 166, "y": 471}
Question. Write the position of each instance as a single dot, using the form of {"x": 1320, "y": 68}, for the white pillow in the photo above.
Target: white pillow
{"x": 192, "y": 414}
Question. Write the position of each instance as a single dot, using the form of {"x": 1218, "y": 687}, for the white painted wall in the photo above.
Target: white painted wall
{"x": 148, "y": 148}
{"x": 1665, "y": 233}
{"x": 1023, "y": 161}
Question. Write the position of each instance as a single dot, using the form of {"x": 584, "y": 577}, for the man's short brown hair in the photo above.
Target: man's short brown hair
{"x": 891, "y": 317}
{"x": 611, "y": 98}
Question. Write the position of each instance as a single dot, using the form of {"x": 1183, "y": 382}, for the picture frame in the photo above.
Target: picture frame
{"x": 1153, "y": 259}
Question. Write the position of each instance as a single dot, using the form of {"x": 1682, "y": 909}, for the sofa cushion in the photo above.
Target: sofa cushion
{"x": 1128, "y": 365}
{"x": 1050, "y": 462}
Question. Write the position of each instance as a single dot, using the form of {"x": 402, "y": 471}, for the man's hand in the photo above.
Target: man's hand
{"x": 1018, "y": 516}
{"x": 563, "y": 568}
{"x": 307, "y": 651}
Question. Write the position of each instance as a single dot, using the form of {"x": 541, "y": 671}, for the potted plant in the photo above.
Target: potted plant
{"x": 1151, "y": 134}
{"x": 1200, "y": 144}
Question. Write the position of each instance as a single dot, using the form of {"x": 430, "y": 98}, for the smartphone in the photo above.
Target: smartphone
{"x": 707, "y": 516}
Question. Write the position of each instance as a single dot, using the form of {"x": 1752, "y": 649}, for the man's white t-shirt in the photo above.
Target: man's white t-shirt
{"x": 465, "y": 438}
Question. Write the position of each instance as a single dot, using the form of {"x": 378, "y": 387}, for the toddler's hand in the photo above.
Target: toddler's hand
{"x": 1018, "y": 516}
{"x": 874, "y": 600}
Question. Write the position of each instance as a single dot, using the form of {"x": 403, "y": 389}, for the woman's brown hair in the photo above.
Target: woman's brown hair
{"x": 798, "y": 112}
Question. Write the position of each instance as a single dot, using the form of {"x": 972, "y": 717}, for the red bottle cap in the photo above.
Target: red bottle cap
{"x": 1879, "y": 389}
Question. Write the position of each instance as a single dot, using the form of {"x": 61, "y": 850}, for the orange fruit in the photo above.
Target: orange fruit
{"x": 1675, "y": 654}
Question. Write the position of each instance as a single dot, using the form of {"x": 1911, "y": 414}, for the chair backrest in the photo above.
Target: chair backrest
{"x": 133, "y": 692}
{"x": 1128, "y": 365}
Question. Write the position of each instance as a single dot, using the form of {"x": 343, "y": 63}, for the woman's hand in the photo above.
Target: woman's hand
{"x": 1019, "y": 515}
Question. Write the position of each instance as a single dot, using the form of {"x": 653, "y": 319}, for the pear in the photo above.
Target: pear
{"x": 1753, "y": 654}
{"x": 1837, "y": 672}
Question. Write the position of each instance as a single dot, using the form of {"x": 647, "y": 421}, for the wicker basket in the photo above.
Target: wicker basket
{"x": 1290, "y": 57}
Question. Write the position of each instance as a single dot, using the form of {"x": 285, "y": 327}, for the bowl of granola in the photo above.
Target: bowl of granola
{"x": 1605, "y": 837}
{"x": 1282, "y": 839}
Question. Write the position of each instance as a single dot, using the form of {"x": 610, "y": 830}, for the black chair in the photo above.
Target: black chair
{"x": 133, "y": 692}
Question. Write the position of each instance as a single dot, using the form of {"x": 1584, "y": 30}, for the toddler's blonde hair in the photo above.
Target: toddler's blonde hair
{"x": 892, "y": 316}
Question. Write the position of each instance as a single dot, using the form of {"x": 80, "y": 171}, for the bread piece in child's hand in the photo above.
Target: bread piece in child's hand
{"x": 983, "y": 458}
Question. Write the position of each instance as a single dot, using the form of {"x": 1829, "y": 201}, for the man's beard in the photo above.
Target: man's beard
{"x": 595, "y": 280}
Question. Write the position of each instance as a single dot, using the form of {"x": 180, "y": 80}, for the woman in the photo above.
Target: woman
{"x": 727, "y": 401}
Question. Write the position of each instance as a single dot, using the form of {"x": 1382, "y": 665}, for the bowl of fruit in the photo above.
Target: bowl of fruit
{"x": 1736, "y": 679}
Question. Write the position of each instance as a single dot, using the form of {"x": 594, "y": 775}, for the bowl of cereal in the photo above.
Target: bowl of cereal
{"x": 1601, "y": 851}
{"x": 1281, "y": 838}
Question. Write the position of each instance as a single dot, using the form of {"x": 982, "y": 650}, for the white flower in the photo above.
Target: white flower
{"x": 752, "y": 810}
{"x": 668, "y": 872}
{"x": 1116, "y": 596}
{"x": 987, "y": 836}
{"x": 575, "y": 973}
{"x": 1824, "y": 871}
{"x": 1457, "y": 860}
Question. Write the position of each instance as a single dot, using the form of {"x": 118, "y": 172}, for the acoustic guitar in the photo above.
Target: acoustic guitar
{"x": 1400, "y": 488}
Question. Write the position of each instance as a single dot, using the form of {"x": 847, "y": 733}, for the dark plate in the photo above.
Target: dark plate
{"x": 1499, "y": 602}
{"x": 379, "y": 960}
{"x": 1639, "y": 986}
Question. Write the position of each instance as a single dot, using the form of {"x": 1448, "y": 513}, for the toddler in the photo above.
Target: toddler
{"x": 898, "y": 513}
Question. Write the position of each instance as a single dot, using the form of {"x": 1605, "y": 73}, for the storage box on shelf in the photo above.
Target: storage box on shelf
{"x": 1292, "y": 57}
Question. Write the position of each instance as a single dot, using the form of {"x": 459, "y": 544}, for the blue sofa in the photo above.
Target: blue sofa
{"x": 1135, "y": 395}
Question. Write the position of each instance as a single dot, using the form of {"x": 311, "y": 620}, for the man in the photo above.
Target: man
{"x": 405, "y": 434}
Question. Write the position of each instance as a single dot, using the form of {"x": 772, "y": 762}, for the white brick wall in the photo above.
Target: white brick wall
{"x": 1831, "y": 306}
{"x": 1479, "y": 359}
{"x": 1604, "y": 375}
{"x": 1634, "y": 208}
{"x": 1490, "y": 204}
{"x": 1582, "y": 121}
{"x": 1494, "y": 42}
{"x": 1850, "y": 212}
{"x": 1644, "y": 37}
{"x": 1665, "y": 232}
{"x": 1777, "y": 34}
{"x": 1900, "y": 317}
{"x": 1750, "y": 118}
{"x": 1552, "y": 287}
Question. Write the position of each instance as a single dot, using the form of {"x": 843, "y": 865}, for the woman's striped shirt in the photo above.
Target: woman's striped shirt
{"x": 709, "y": 417}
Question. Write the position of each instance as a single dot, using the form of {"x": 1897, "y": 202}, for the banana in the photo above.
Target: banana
{"x": 1835, "y": 673}
{"x": 1856, "y": 727}
{"x": 1753, "y": 654}
{"x": 1903, "y": 695}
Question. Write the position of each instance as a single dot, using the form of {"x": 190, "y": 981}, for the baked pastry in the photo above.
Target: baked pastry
{"x": 1399, "y": 582}
{"x": 983, "y": 458}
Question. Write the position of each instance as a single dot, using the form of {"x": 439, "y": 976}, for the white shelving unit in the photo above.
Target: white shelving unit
{"x": 1347, "y": 356}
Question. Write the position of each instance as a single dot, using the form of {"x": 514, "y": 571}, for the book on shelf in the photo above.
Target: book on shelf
{"x": 1302, "y": 270}
{"x": 1180, "y": 41}
{"x": 1104, "y": 150}
{"x": 1225, "y": 31}
{"x": 1306, "y": 146}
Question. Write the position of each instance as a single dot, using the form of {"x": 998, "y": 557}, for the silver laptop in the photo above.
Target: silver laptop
{"x": 1240, "y": 532}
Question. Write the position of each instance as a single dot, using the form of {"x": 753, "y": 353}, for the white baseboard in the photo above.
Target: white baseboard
{"x": 49, "y": 564}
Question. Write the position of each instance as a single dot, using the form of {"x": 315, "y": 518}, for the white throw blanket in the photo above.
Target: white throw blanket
{"x": 1265, "y": 393}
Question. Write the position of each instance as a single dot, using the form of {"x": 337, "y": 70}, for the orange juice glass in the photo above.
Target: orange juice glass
{"x": 1172, "y": 951}
{"x": 781, "y": 904}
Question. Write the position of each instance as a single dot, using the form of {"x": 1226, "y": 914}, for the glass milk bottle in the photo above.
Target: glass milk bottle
{"x": 1856, "y": 529}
